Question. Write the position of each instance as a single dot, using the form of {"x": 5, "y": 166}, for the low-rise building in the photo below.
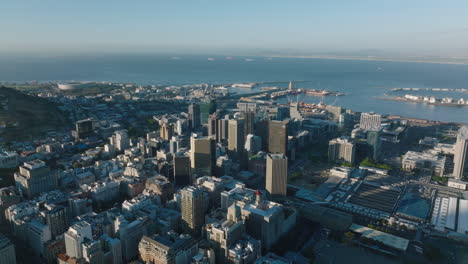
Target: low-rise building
{"x": 459, "y": 184}
{"x": 167, "y": 249}
{"x": 8, "y": 159}
{"x": 444, "y": 213}
{"x": 430, "y": 161}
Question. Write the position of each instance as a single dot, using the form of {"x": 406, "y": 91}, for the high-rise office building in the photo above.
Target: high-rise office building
{"x": 334, "y": 111}
{"x": 267, "y": 221}
{"x": 278, "y": 136}
{"x": 34, "y": 177}
{"x": 166, "y": 131}
{"x": 206, "y": 109}
{"x": 193, "y": 203}
{"x": 92, "y": 252}
{"x": 174, "y": 144}
{"x": 262, "y": 130}
{"x": 194, "y": 115}
{"x": 7, "y": 251}
{"x": 38, "y": 234}
{"x": 83, "y": 128}
{"x": 294, "y": 112}
{"x": 130, "y": 233}
{"x": 213, "y": 126}
{"x": 182, "y": 175}
{"x": 341, "y": 149}
{"x": 253, "y": 144}
{"x": 276, "y": 174}
{"x": 247, "y": 107}
{"x": 224, "y": 233}
{"x": 249, "y": 123}
{"x": 181, "y": 127}
{"x": 202, "y": 155}
{"x": 120, "y": 140}
{"x": 236, "y": 138}
{"x": 223, "y": 130}
{"x": 112, "y": 248}
{"x": 374, "y": 142}
{"x": 204, "y": 112}
{"x": 282, "y": 113}
{"x": 370, "y": 121}
{"x": 460, "y": 169}
{"x": 75, "y": 237}
{"x": 57, "y": 218}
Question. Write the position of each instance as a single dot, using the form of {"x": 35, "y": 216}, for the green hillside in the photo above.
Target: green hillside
{"x": 27, "y": 116}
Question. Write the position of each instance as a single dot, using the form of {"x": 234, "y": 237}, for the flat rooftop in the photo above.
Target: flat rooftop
{"x": 462, "y": 216}
{"x": 277, "y": 156}
{"x": 387, "y": 239}
{"x": 444, "y": 213}
{"x": 34, "y": 164}
{"x": 371, "y": 196}
{"x": 325, "y": 188}
{"x": 412, "y": 206}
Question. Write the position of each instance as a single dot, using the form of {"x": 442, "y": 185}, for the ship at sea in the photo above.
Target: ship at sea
{"x": 315, "y": 92}
{"x": 244, "y": 85}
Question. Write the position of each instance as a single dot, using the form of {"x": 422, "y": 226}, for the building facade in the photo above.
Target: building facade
{"x": 34, "y": 177}
{"x": 341, "y": 150}
{"x": 460, "y": 159}
{"x": 193, "y": 205}
{"x": 278, "y": 136}
{"x": 7, "y": 251}
{"x": 370, "y": 121}
{"x": 202, "y": 155}
{"x": 276, "y": 174}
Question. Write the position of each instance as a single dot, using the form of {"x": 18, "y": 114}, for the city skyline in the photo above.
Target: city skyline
{"x": 247, "y": 132}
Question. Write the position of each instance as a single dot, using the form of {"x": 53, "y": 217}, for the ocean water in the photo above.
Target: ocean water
{"x": 360, "y": 80}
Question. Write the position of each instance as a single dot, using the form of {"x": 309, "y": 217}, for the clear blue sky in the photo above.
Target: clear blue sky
{"x": 194, "y": 25}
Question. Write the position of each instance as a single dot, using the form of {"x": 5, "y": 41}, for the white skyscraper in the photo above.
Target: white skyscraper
{"x": 120, "y": 140}
{"x": 341, "y": 149}
{"x": 75, "y": 237}
{"x": 460, "y": 159}
{"x": 180, "y": 127}
{"x": 253, "y": 144}
{"x": 370, "y": 121}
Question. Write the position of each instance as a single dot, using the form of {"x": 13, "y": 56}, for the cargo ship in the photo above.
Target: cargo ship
{"x": 244, "y": 85}
{"x": 315, "y": 92}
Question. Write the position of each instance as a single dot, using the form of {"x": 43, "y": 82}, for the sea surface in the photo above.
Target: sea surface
{"x": 360, "y": 80}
